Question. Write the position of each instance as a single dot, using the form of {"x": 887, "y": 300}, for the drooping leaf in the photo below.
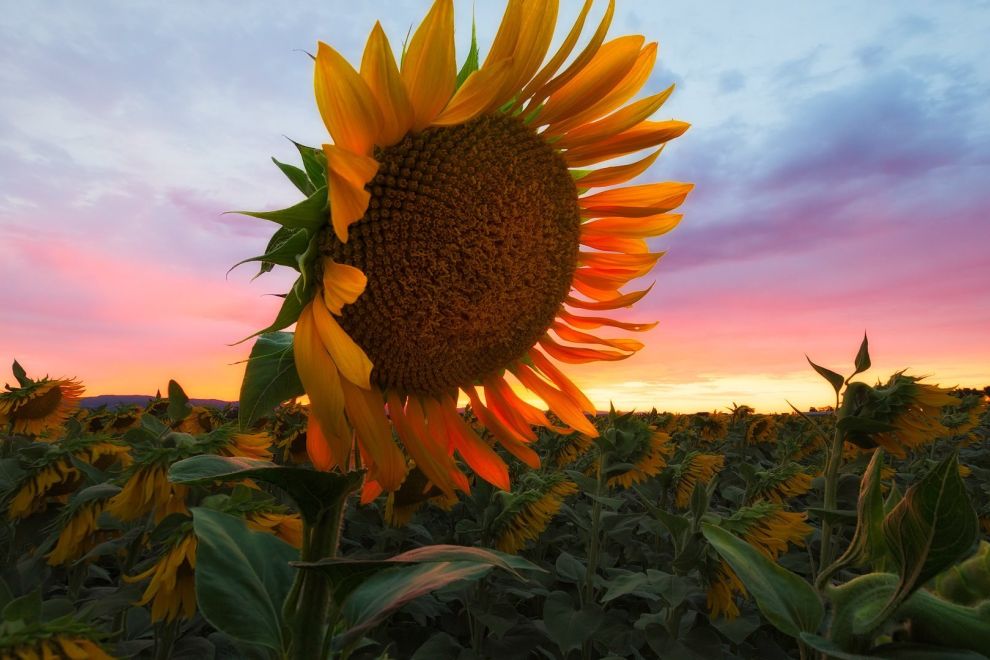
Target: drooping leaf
{"x": 834, "y": 379}
{"x": 311, "y": 213}
{"x": 784, "y": 598}
{"x": 20, "y": 374}
{"x": 868, "y": 545}
{"x": 178, "y": 402}
{"x": 270, "y": 377}
{"x": 298, "y": 177}
{"x": 284, "y": 252}
{"x": 313, "y": 492}
{"x": 931, "y": 528}
{"x": 242, "y": 578}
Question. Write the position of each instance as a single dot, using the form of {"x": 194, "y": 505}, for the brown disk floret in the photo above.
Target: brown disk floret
{"x": 469, "y": 244}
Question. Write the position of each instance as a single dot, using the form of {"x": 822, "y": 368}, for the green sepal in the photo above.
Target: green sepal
{"x": 283, "y": 250}
{"x": 471, "y": 63}
{"x": 298, "y": 177}
{"x": 314, "y": 162}
{"x": 311, "y": 213}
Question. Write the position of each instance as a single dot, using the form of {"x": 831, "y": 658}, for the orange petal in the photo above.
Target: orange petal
{"x": 429, "y": 70}
{"x": 645, "y": 134}
{"x": 541, "y": 91}
{"x": 505, "y": 436}
{"x": 321, "y": 381}
{"x": 476, "y": 95}
{"x": 370, "y": 490}
{"x": 342, "y": 284}
{"x": 594, "y": 292}
{"x": 625, "y": 300}
{"x": 640, "y": 263}
{"x": 561, "y": 404}
{"x": 507, "y": 36}
{"x": 547, "y": 368}
{"x": 592, "y": 322}
{"x": 476, "y": 453}
{"x": 530, "y": 414}
{"x": 609, "y": 66}
{"x": 636, "y": 201}
{"x": 505, "y": 411}
{"x": 380, "y": 72}
{"x": 429, "y": 458}
{"x": 653, "y": 225}
{"x": 317, "y": 447}
{"x": 610, "y": 176}
{"x": 624, "y": 90}
{"x": 558, "y": 58}
{"x": 602, "y": 281}
{"x": 347, "y": 106}
{"x": 539, "y": 17}
{"x": 614, "y": 244}
{"x": 579, "y": 354}
{"x": 617, "y": 122}
{"x": 347, "y": 175}
{"x": 578, "y": 337}
{"x": 351, "y": 360}
{"x": 366, "y": 412}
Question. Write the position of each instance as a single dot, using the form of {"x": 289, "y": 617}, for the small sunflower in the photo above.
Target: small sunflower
{"x": 37, "y": 407}
{"x": 55, "y": 647}
{"x": 695, "y": 468}
{"x": 172, "y": 589}
{"x": 782, "y": 483}
{"x": 652, "y": 459}
{"x": 56, "y": 478}
{"x": 527, "y": 513}
{"x": 463, "y": 244}
{"x": 248, "y": 445}
{"x": 711, "y": 427}
{"x": 761, "y": 429}
{"x": 79, "y": 533}
{"x": 286, "y": 526}
{"x": 148, "y": 490}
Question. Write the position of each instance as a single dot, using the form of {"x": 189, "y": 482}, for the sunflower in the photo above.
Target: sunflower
{"x": 79, "y": 533}
{"x": 527, "y": 513}
{"x": 56, "y": 478}
{"x": 782, "y": 483}
{"x": 248, "y": 445}
{"x": 651, "y": 460}
{"x": 695, "y": 468}
{"x": 148, "y": 489}
{"x": 462, "y": 243}
{"x": 172, "y": 589}
{"x": 286, "y": 526}
{"x": 761, "y": 429}
{"x": 55, "y": 647}
{"x": 36, "y": 407}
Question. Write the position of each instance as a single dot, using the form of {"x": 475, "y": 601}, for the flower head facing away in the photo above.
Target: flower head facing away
{"x": 36, "y": 407}
{"x": 463, "y": 244}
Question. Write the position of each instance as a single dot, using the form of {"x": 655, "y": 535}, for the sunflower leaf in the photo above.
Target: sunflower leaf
{"x": 789, "y": 603}
{"x": 315, "y": 163}
{"x": 471, "y": 63}
{"x": 270, "y": 377}
{"x": 862, "y": 357}
{"x": 20, "y": 374}
{"x": 298, "y": 177}
{"x": 285, "y": 252}
{"x": 178, "y": 402}
{"x": 834, "y": 379}
{"x": 311, "y": 213}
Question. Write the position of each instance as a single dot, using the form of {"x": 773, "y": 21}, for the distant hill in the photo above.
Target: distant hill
{"x": 117, "y": 400}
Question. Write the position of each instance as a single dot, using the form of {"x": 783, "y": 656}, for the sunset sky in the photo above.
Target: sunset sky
{"x": 840, "y": 151}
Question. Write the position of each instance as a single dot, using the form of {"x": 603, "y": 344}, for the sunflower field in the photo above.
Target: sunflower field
{"x": 410, "y": 473}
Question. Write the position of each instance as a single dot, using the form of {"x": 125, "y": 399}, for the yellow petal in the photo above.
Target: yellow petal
{"x": 476, "y": 95}
{"x": 429, "y": 70}
{"x": 617, "y": 122}
{"x": 351, "y": 360}
{"x": 610, "y": 176}
{"x": 646, "y": 134}
{"x": 366, "y": 411}
{"x": 347, "y": 175}
{"x": 624, "y": 90}
{"x": 539, "y": 17}
{"x": 379, "y": 70}
{"x": 610, "y": 65}
{"x": 558, "y": 58}
{"x": 347, "y": 106}
{"x": 342, "y": 284}
{"x": 581, "y": 61}
{"x": 321, "y": 381}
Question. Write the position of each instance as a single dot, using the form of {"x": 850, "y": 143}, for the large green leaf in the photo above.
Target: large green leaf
{"x": 931, "y": 528}
{"x": 569, "y": 626}
{"x": 784, "y": 598}
{"x": 868, "y": 545}
{"x": 242, "y": 578}
{"x": 311, "y": 213}
{"x": 863, "y": 356}
{"x": 270, "y": 377}
{"x": 313, "y": 492}
{"x": 178, "y": 402}
{"x": 892, "y": 651}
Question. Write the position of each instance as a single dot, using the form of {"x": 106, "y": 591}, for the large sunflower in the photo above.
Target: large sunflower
{"x": 464, "y": 243}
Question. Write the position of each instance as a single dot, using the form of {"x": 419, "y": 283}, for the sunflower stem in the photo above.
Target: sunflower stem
{"x": 834, "y": 462}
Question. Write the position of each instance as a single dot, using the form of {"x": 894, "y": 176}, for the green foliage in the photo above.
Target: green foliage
{"x": 270, "y": 377}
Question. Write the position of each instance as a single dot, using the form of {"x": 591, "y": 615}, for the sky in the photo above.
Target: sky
{"x": 840, "y": 151}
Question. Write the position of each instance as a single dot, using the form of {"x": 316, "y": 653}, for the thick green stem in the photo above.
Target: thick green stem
{"x": 307, "y": 606}
{"x": 831, "y": 497}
